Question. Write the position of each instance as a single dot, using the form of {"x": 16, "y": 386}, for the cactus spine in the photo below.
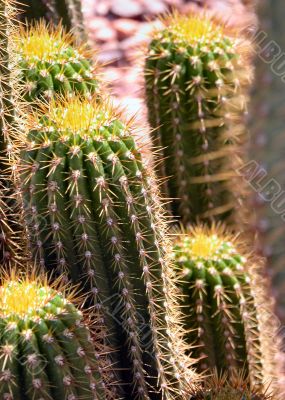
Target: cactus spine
{"x": 229, "y": 314}
{"x": 93, "y": 212}
{"x": 196, "y": 74}
{"x": 50, "y": 63}
{"x": 46, "y": 351}
{"x": 67, "y": 12}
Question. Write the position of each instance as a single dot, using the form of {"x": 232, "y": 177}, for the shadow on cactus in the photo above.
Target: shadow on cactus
{"x": 46, "y": 348}
{"x": 197, "y": 73}
{"x": 228, "y": 311}
{"x": 93, "y": 212}
{"x": 50, "y": 63}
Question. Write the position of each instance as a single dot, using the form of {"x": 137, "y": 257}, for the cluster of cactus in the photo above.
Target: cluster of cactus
{"x": 197, "y": 74}
{"x": 94, "y": 219}
{"x": 47, "y": 351}
{"x": 228, "y": 317}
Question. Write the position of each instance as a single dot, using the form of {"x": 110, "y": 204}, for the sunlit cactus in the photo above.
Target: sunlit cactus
{"x": 228, "y": 311}
{"x": 197, "y": 73}
{"x": 46, "y": 349}
{"x": 50, "y": 63}
{"x": 93, "y": 213}
{"x": 67, "y": 12}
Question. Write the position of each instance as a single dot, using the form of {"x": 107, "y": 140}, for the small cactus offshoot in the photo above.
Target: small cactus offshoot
{"x": 229, "y": 314}
{"x": 46, "y": 351}
{"x": 50, "y": 63}
{"x": 197, "y": 73}
{"x": 93, "y": 213}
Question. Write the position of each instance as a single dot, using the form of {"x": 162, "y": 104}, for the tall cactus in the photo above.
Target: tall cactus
{"x": 68, "y": 12}
{"x": 46, "y": 350}
{"x": 93, "y": 212}
{"x": 229, "y": 315}
{"x": 9, "y": 224}
{"x": 50, "y": 63}
{"x": 197, "y": 72}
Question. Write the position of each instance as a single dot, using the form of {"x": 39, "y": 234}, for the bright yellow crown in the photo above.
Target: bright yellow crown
{"x": 194, "y": 27}
{"x": 42, "y": 42}
{"x": 23, "y": 297}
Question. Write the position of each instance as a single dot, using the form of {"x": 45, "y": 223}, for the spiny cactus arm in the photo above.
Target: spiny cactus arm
{"x": 194, "y": 83}
{"x": 36, "y": 380}
{"x": 9, "y": 363}
{"x": 58, "y": 369}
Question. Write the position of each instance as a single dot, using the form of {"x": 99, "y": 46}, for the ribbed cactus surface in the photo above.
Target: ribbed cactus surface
{"x": 196, "y": 74}
{"x": 68, "y": 12}
{"x": 49, "y": 63}
{"x": 46, "y": 352}
{"x": 93, "y": 213}
{"x": 229, "y": 314}
{"x": 9, "y": 226}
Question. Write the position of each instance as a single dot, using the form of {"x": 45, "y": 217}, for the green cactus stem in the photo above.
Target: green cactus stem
{"x": 229, "y": 314}
{"x": 9, "y": 138}
{"x": 197, "y": 72}
{"x": 50, "y": 63}
{"x": 67, "y": 12}
{"x": 93, "y": 213}
{"x": 46, "y": 349}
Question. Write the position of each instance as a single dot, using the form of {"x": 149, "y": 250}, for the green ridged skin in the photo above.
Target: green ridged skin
{"x": 68, "y": 12}
{"x": 196, "y": 77}
{"x": 46, "y": 351}
{"x": 228, "y": 312}
{"x": 93, "y": 214}
{"x": 50, "y": 64}
{"x": 9, "y": 226}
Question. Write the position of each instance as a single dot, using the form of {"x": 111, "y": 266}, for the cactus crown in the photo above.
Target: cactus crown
{"x": 26, "y": 297}
{"x": 207, "y": 243}
{"x": 77, "y": 115}
{"x": 193, "y": 29}
{"x": 43, "y": 42}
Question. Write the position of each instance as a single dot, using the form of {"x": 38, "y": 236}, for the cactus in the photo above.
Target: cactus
{"x": 67, "y": 12}
{"x": 197, "y": 71}
{"x": 92, "y": 211}
{"x": 223, "y": 388}
{"x": 229, "y": 315}
{"x": 46, "y": 350}
{"x": 9, "y": 135}
{"x": 49, "y": 63}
